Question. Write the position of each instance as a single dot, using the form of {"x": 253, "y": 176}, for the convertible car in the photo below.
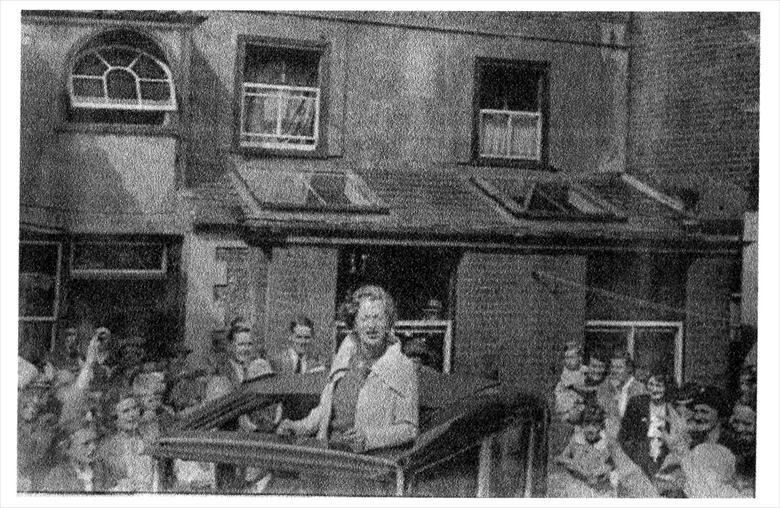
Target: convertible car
{"x": 476, "y": 439}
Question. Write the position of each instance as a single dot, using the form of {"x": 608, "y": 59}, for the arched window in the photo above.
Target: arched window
{"x": 120, "y": 77}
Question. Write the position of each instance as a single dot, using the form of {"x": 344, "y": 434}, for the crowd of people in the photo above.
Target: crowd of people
{"x": 86, "y": 418}
{"x": 86, "y": 415}
{"x": 626, "y": 432}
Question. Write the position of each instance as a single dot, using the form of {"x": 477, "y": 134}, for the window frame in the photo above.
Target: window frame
{"x": 111, "y": 273}
{"x": 169, "y": 127}
{"x": 321, "y": 114}
{"x": 630, "y": 344}
{"x": 481, "y": 63}
{"x": 52, "y": 320}
{"x": 172, "y": 105}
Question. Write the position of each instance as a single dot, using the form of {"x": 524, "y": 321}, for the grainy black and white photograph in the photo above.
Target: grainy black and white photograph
{"x": 375, "y": 253}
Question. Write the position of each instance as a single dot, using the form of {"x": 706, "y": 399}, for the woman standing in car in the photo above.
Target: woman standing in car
{"x": 370, "y": 400}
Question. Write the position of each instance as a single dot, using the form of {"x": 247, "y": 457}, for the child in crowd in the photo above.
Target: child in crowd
{"x": 79, "y": 471}
{"x": 123, "y": 450}
{"x": 573, "y": 373}
{"x": 588, "y": 455}
{"x": 595, "y": 465}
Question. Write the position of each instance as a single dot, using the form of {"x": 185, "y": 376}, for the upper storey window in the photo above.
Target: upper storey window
{"x": 511, "y": 112}
{"x": 121, "y": 77}
{"x": 281, "y": 96}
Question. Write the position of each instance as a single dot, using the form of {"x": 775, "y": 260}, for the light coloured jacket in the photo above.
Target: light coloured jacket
{"x": 387, "y": 409}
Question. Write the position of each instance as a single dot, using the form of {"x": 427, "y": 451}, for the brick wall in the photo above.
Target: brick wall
{"x": 242, "y": 289}
{"x": 500, "y": 301}
{"x": 651, "y": 277}
{"x": 711, "y": 281}
{"x": 694, "y": 80}
{"x": 302, "y": 279}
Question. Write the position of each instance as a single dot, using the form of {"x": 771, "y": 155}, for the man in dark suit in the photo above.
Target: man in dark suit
{"x": 644, "y": 425}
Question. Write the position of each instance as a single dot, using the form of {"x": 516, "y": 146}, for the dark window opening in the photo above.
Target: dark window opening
{"x": 413, "y": 276}
{"x": 511, "y": 112}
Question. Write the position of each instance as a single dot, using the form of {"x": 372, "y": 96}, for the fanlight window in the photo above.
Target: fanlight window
{"x": 121, "y": 78}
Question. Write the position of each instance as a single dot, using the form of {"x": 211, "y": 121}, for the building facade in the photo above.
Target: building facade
{"x": 180, "y": 170}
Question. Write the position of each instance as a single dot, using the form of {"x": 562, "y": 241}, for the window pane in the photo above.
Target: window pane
{"x": 493, "y": 134}
{"x": 119, "y": 57}
{"x": 121, "y": 85}
{"x": 145, "y": 67}
{"x": 330, "y": 187}
{"x": 260, "y": 114}
{"x": 556, "y": 196}
{"x": 88, "y": 87}
{"x": 155, "y": 91}
{"x": 539, "y": 203}
{"x": 37, "y": 280}
{"x": 298, "y": 118}
{"x": 523, "y": 137}
{"x": 90, "y": 65}
{"x": 654, "y": 349}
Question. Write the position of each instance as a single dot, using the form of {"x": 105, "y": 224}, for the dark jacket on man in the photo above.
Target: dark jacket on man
{"x": 633, "y": 434}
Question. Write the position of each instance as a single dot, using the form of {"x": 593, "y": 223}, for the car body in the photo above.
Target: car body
{"x": 477, "y": 439}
